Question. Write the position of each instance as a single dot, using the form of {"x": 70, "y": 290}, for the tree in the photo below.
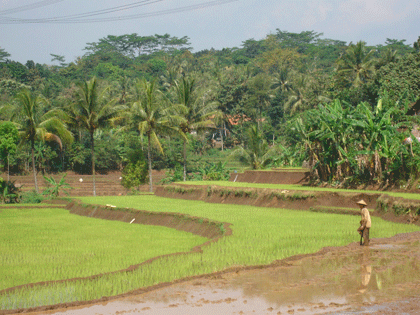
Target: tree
{"x": 152, "y": 116}
{"x": 357, "y": 64}
{"x": 358, "y": 145}
{"x": 35, "y": 124}
{"x": 378, "y": 131}
{"x": 54, "y": 188}
{"x": 399, "y": 46}
{"x": 388, "y": 56}
{"x": 259, "y": 95}
{"x": 301, "y": 42}
{"x": 297, "y": 99}
{"x": 256, "y": 151}
{"x": 281, "y": 80}
{"x": 9, "y": 137}
{"x": 3, "y": 55}
{"x": 198, "y": 112}
{"x": 60, "y": 59}
{"x": 93, "y": 110}
{"x": 416, "y": 45}
{"x": 401, "y": 76}
{"x": 134, "y": 164}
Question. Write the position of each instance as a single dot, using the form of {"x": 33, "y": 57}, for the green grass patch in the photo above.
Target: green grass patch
{"x": 342, "y": 210}
{"x": 52, "y": 244}
{"x": 260, "y": 236}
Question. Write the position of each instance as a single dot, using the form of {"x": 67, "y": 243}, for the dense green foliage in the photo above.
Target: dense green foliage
{"x": 9, "y": 193}
{"x": 351, "y": 145}
{"x": 212, "y": 98}
{"x": 9, "y": 137}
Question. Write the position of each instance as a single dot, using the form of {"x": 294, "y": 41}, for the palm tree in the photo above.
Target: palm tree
{"x": 257, "y": 153}
{"x": 387, "y": 57}
{"x": 152, "y": 116}
{"x": 34, "y": 124}
{"x": 297, "y": 99}
{"x": 170, "y": 76}
{"x": 357, "y": 64}
{"x": 281, "y": 80}
{"x": 260, "y": 93}
{"x": 93, "y": 110}
{"x": 198, "y": 113}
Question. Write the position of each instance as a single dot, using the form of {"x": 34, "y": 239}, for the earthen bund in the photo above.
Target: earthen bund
{"x": 333, "y": 202}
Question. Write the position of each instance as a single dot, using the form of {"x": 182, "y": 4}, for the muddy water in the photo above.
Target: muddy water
{"x": 379, "y": 279}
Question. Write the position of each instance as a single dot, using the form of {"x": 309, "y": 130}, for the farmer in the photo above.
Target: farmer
{"x": 365, "y": 223}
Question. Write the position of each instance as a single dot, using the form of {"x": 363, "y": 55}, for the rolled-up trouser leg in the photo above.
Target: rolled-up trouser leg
{"x": 366, "y": 236}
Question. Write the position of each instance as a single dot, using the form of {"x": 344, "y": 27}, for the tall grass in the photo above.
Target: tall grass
{"x": 260, "y": 236}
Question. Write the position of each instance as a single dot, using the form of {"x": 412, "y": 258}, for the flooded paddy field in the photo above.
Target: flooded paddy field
{"x": 383, "y": 278}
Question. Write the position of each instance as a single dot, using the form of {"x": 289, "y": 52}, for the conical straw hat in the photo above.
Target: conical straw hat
{"x": 361, "y": 202}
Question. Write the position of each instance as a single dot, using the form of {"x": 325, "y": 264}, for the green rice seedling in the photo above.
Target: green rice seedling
{"x": 51, "y": 244}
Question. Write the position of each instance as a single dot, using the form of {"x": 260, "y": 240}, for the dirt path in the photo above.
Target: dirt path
{"x": 381, "y": 279}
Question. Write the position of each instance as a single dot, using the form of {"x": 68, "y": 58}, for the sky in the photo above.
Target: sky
{"x": 216, "y": 24}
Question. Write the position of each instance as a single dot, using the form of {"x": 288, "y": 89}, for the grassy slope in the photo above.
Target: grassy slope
{"x": 51, "y": 244}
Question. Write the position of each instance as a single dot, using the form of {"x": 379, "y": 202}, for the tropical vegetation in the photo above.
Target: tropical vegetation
{"x": 342, "y": 108}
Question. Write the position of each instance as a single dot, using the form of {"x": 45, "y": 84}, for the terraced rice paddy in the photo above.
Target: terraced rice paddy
{"x": 260, "y": 236}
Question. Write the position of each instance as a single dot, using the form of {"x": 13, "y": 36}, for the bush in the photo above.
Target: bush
{"x": 9, "y": 193}
{"x": 135, "y": 171}
{"x": 134, "y": 174}
{"x": 54, "y": 188}
{"x": 31, "y": 197}
{"x": 215, "y": 171}
{"x": 175, "y": 175}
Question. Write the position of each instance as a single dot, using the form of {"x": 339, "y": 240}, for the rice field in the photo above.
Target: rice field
{"x": 260, "y": 236}
{"x": 52, "y": 244}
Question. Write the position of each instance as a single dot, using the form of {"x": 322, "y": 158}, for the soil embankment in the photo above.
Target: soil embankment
{"x": 108, "y": 184}
{"x": 292, "y": 176}
{"x": 290, "y": 199}
{"x": 393, "y": 209}
{"x": 198, "y": 226}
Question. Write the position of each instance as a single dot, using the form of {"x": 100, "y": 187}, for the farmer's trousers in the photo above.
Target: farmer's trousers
{"x": 365, "y": 236}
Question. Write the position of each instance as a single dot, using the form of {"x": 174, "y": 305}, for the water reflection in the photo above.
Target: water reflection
{"x": 313, "y": 285}
{"x": 347, "y": 275}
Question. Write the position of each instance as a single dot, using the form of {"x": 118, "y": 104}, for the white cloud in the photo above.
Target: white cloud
{"x": 316, "y": 12}
{"x": 364, "y": 12}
